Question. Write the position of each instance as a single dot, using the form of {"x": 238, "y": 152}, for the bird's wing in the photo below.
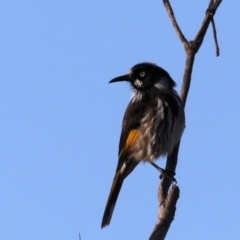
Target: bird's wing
{"x": 130, "y": 132}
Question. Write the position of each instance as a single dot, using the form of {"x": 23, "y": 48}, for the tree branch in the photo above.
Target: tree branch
{"x": 168, "y": 198}
{"x": 166, "y": 214}
{"x": 174, "y": 22}
{"x": 215, "y": 38}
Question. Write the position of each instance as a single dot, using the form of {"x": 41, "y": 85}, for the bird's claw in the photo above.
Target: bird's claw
{"x": 165, "y": 173}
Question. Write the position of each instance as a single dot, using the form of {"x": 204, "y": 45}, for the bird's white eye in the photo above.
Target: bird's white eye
{"x": 142, "y": 74}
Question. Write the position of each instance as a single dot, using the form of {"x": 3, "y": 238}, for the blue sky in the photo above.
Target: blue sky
{"x": 60, "y": 119}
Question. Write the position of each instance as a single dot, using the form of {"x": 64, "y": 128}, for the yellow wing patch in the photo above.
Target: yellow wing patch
{"x": 132, "y": 137}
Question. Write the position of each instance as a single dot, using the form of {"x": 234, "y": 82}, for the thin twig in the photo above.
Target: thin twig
{"x": 174, "y": 22}
{"x": 215, "y": 37}
{"x": 211, "y": 2}
{"x": 208, "y": 17}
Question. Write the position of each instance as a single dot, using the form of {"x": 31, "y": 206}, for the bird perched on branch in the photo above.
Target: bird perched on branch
{"x": 152, "y": 125}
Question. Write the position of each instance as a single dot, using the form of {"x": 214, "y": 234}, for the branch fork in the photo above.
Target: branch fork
{"x": 168, "y": 193}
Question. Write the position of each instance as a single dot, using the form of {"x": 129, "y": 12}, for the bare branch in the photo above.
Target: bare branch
{"x": 174, "y": 21}
{"x": 208, "y": 18}
{"x": 215, "y": 38}
{"x": 187, "y": 77}
{"x": 165, "y": 215}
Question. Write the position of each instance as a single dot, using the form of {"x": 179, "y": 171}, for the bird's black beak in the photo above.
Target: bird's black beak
{"x": 121, "y": 78}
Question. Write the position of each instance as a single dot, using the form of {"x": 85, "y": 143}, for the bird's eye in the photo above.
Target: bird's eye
{"x": 142, "y": 74}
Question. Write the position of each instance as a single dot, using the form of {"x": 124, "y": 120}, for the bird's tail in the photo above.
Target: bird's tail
{"x": 112, "y": 198}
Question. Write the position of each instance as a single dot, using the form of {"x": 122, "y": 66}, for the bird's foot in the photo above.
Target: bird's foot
{"x": 165, "y": 173}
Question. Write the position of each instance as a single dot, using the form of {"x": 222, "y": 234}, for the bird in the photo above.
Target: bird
{"x": 152, "y": 125}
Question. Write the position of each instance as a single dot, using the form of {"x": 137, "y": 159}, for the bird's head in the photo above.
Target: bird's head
{"x": 146, "y": 75}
